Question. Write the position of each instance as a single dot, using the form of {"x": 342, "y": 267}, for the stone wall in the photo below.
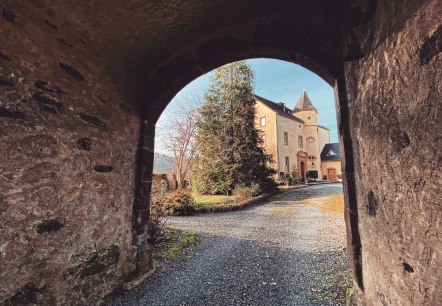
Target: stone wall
{"x": 74, "y": 189}
{"x": 67, "y": 165}
{"x": 395, "y": 104}
{"x": 169, "y": 180}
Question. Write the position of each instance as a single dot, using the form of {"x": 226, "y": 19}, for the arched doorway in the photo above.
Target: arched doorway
{"x": 302, "y": 171}
{"x": 302, "y": 164}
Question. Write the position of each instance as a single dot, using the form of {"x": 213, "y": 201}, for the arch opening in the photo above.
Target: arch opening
{"x": 301, "y": 160}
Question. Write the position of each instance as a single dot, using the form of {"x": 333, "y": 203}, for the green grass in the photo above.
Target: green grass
{"x": 223, "y": 203}
{"x": 218, "y": 203}
{"x": 209, "y": 203}
{"x": 173, "y": 242}
{"x": 202, "y": 199}
{"x": 338, "y": 283}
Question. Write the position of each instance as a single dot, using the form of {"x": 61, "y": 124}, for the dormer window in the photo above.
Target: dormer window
{"x": 331, "y": 153}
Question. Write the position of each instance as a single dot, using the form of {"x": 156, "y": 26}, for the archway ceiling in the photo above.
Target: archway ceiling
{"x": 149, "y": 42}
{"x": 141, "y": 30}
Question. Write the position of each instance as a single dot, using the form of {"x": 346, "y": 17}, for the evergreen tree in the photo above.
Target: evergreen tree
{"x": 293, "y": 177}
{"x": 228, "y": 141}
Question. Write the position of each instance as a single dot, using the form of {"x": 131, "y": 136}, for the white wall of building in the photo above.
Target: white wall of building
{"x": 323, "y": 137}
{"x": 293, "y": 130}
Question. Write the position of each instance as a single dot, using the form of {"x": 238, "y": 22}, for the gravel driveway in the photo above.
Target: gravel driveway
{"x": 288, "y": 251}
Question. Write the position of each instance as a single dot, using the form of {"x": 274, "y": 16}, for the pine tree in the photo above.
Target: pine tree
{"x": 228, "y": 141}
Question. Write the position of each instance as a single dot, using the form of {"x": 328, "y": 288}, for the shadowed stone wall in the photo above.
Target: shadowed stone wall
{"x": 394, "y": 94}
{"x": 66, "y": 173}
{"x": 76, "y": 160}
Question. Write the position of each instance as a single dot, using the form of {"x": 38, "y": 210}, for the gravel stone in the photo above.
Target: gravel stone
{"x": 286, "y": 251}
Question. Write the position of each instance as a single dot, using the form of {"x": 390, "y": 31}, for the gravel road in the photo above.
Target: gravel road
{"x": 288, "y": 251}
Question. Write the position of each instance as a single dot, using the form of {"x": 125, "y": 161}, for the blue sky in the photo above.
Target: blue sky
{"x": 276, "y": 80}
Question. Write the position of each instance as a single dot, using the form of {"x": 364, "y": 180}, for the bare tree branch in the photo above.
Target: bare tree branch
{"x": 179, "y": 137}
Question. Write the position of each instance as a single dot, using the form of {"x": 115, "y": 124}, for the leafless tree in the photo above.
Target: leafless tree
{"x": 179, "y": 138}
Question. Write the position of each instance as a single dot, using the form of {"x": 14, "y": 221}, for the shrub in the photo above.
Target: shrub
{"x": 157, "y": 220}
{"x": 179, "y": 202}
{"x": 245, "y": 192}
{"x": 269, "y": 185}
{"x": 157, "y": 195}
{"x": 294, "y": 176}
{"x": 288, "y": 179}
{"x": 227, "y": 200}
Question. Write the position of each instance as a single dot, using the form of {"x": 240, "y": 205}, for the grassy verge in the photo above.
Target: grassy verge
{"x": 188, "y": 203}
{"x": 334, "y": 204}
{"x": 201, "y": 199}
{"x": 210, "y": 203}
{"x": 336, "y": 284}
{"x": 211, "y": 207}
{"x": 172, "y": 241}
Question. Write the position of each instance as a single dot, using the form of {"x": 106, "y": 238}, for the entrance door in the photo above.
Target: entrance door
{"x": 302, "y": 172}
{"x": 331, "y": 175}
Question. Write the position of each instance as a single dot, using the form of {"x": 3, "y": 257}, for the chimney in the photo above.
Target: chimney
{"x": 285, "y": 109}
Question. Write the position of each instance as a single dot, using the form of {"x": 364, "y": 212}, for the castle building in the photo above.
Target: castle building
{"x": 294, "y": 138}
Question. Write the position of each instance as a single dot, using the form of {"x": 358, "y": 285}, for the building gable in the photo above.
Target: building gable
{"x": 330, "y": 152}
{"x": 278, "y": 108}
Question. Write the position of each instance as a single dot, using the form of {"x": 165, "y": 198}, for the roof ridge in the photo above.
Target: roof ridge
{"x": 278, "y": 108}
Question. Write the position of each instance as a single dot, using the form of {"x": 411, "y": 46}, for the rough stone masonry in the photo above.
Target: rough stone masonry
{"x": 67, "y": 164}
{"x": 82, "y": 84}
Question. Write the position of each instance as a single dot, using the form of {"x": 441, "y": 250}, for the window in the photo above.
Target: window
{"x": 310, "y": 139}
{"x": 286, "y": 139}
{"x": 264, "y": 140}
{"x": 300, "y": 142}
{"x": 312, "y": 174}
{"x": 312, "y": 157}
{"x": 309, "y": 118}
{"x": 263, "y": 121}
{"x": 331, "y": 153}
{"x": 287, "y": 165}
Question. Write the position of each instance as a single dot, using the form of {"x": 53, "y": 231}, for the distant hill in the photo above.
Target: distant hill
{"x": 162, "y": 163}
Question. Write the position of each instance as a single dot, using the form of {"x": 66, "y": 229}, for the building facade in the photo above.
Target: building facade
{"x": 293, "y": 137}
{"x": 331, "y": 162}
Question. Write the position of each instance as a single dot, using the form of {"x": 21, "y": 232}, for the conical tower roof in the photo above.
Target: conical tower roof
{"x": 304, "y": 103}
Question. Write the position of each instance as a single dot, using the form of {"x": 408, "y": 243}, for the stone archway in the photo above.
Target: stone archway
{"x": 82, "y": 85}
{"x": 198, "y": 58}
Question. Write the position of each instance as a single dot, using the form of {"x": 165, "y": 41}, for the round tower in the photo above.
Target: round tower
{"x": 305, "y": 110}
